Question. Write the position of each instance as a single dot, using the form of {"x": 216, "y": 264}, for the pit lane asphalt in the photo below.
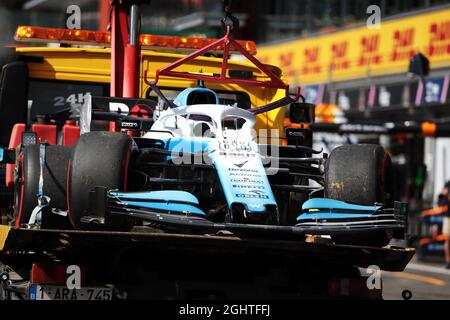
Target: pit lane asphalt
{"x": 425, "y": 281}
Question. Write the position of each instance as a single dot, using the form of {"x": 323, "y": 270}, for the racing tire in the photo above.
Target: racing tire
{"x": 99, "y": 159}
{"x": 26, "y": 185}
{"x": 360, "y": 174}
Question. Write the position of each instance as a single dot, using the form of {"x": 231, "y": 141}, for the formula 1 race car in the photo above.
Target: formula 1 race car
{"x": 194, "y": 165}
{"x": 199, "y": 169}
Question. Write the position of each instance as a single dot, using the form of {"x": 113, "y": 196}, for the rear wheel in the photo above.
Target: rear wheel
{"x": 99, "y": 159}
{"x": 54, "y": 177}
{"x": 360, "y": 174}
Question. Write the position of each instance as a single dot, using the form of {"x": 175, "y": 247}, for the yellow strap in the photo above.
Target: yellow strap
{"x": 4, "y": 231}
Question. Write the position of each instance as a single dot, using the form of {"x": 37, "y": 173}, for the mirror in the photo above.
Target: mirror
{"x": 302, "y": 112}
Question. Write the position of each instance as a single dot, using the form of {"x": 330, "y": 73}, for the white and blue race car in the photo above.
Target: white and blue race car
{"x": 199, "y": 167}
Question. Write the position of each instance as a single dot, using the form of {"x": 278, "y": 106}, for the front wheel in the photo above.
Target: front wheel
{"x": 99, "y": 159}
{"x": 360, "y": 174}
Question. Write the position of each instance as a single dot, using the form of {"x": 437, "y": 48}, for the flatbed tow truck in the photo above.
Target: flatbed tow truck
{"x": 146, "y": 263}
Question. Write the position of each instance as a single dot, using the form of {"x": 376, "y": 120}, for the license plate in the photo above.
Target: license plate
{"x": 48, "y": 292}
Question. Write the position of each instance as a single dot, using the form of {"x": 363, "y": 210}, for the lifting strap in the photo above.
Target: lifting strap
{"x": 43, "y": 200}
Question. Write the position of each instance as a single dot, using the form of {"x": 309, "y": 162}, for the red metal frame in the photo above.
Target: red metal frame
{"x": 226, "y": 41}
{"x": 104, "y": 8}
{"x": 131, "y": 71}
{"x": 119, "y": 38}
{"x": 124, "y": 56}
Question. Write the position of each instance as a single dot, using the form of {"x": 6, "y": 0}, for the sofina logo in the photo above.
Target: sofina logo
{"x": 374, "y": 20}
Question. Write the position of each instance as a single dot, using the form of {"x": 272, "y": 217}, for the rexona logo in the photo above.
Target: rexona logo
{"x": 240, "y": 165}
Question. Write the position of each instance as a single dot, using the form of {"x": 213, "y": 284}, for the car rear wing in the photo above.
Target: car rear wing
{"x": 133, "y": 114}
